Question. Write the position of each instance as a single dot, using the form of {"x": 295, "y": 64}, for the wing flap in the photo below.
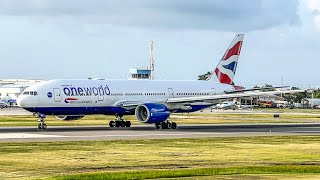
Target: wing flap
{"x": 230, "y": 96}
{"x": 254, "y": 89}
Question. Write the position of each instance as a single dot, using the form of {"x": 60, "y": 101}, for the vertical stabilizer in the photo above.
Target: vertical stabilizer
{"x": 226, "y": 69}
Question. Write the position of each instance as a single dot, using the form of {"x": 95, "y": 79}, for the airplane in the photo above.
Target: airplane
{"x": 151, "y": 101}
{"x": 227, "y": 105}
{"x": 233, "y": 105}
{"x": 3, "y": 104}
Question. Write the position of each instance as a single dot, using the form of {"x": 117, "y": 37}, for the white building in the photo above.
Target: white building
{"x": 140, "y": 73}
{"x": 312, "y": 103}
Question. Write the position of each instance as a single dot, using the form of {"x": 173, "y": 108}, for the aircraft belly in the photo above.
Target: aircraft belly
{"x": 107, "y": 110}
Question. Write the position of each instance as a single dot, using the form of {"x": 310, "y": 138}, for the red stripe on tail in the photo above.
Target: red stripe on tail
{"x": 223, "y": 78}
{"x": 235, "y": 50}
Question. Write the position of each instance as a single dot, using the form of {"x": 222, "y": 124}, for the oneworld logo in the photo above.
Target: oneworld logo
{"x": 87, "y": 91}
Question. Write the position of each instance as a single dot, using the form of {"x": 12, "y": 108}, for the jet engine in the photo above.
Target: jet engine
{"x": 69, "y": 117}
{"x": 152, "y": 113}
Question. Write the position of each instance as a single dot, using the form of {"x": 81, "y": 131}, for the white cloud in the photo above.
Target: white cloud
{"x": 314, "y": 7}
{"x": 77, "y": 38}
{"x": 230, "y": 15}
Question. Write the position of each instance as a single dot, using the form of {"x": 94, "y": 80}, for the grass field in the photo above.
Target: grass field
{"x": 192, "y": 118}
{"x": 204, "y": 158}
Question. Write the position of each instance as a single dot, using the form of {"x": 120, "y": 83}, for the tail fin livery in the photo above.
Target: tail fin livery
{"x": 227, "y": 66}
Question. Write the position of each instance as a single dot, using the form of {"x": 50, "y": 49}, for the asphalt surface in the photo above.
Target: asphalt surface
{"x": 31, "y": 134}
{"x": 74, "y": 133}
{"x": 14, "y": 112}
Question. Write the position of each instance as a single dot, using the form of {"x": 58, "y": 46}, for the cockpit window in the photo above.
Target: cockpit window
{"x": 32, "y": 93}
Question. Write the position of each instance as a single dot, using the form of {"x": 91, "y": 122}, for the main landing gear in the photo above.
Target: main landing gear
{"x": 166, "y": 125}
{"x": 119, "y": 122}
{"x": 42, "y": 123}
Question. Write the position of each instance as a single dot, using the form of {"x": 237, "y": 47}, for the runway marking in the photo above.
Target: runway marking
{"x": 25, "y": 135}
{"x": 139, "y": 135}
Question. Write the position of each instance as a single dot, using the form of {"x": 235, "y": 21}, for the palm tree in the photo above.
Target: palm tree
{"x": 205, "y": 77}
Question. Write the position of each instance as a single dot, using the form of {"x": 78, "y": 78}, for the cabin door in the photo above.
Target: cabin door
{"x": 57, "y": 95}
{"x": 100, "y": 96}
{"x": 171, "y": 93}
{"x": 213, "y": 91}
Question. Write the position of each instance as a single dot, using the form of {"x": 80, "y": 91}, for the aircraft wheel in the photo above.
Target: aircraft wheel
{"x": 39, "y": 126}
{"x": 174, "y": 125}
{"x": 111, "y": 124}
{"x": 44, "y": 126}
{"x": 157, "y": 125}
{"x": 118, "y": 123}
{"x": 169, "y": 125}
{"x": 164, "y": 125}
{"x": 128, "y": 123}
{"x": 123, "y": 123}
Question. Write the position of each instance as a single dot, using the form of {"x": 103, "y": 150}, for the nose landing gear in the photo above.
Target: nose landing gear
{"x": 42, "y": 123}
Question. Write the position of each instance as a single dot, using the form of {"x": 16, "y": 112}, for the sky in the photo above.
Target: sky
{"x": 54, "y": 39}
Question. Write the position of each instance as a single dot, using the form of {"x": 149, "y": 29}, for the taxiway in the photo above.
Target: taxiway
{"x": 78, "y": 133}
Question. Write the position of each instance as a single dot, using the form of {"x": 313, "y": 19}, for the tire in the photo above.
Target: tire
{"x": 164, "y": 125}
{"x": 39, "y": 126}
{"x": 123, "y": 123}
{"x": 157, "y": 125}
{"x": 111, "y": 124}
{"x": 118, "y": 123}
{"x": 128, "y": 123}
{"x": 44, "y": 126}
{"x": 169, "y": 125}
{"x": 174, "y": 125}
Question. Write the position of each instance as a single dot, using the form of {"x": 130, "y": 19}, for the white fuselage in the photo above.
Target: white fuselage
{"x": 106, "y": 96}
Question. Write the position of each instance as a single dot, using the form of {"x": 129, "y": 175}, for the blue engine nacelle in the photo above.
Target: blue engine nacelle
{"x": 152, "y": 113}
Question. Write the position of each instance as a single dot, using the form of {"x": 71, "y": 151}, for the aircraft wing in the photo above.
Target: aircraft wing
{"x": 129, "y": 105}
{"x": 254, "y": 89}
{"x": 230, "y": 96}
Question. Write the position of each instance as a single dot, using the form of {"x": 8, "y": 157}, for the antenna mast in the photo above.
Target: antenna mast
{"x": 151, "y": 66}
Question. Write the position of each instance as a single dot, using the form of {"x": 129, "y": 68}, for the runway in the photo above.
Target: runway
{"x": 31, "y": 134}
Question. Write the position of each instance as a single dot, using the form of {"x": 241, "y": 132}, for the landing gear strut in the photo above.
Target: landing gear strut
{"x": 119, "y": 122}
{"x": 42, "y": 123}
{"x": 166, "y": 125}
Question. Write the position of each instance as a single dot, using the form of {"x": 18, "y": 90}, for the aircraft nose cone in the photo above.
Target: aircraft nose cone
{"x": 21, "y": 101}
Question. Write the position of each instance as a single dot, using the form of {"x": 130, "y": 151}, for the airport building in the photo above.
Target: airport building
{"x": 144, "y": 73}
{"x": 311, "y": 103}
{"x": 265, "y": 101}
{"x": 140, "y": 73}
